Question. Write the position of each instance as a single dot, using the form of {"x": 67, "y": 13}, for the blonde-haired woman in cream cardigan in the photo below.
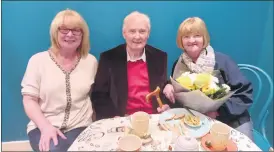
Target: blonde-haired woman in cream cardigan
{"x": 57, "y": 83}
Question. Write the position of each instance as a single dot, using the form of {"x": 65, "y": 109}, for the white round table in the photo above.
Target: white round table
{"x": 103, "y": 135}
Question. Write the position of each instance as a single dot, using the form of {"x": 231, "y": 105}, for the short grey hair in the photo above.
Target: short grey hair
{"x": 136, "y": 14}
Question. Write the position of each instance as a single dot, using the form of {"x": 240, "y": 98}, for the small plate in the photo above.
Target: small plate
{"x": 231, "y": 146}
{"x": 194, "y": 126}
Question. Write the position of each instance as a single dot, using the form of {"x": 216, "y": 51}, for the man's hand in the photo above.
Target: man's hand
{"x": 164, "y": 108}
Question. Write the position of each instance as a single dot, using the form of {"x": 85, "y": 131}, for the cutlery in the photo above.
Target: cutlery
{"x": 190, "y": 111}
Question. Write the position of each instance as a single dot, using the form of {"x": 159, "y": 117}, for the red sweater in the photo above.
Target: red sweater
{"x": 138, "y": 87}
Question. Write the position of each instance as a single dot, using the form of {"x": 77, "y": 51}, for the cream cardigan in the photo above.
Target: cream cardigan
{"x": 63, "y": 97}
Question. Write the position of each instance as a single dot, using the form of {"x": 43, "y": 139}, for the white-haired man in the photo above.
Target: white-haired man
{"x": 128, "y": 72}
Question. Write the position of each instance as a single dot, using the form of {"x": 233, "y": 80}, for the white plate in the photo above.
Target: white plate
{"x": 196, "y": 132}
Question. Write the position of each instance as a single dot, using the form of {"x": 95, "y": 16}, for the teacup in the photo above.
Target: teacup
{"x": 186, "y": 143}
{"x": 130, "y": 143}
{"x": 219, "y": 133}
{"x": 140, "y": 123}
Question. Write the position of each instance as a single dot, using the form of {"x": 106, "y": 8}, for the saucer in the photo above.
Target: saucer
{"x": 145, "y": 140}
{"x": 231, "y": 146}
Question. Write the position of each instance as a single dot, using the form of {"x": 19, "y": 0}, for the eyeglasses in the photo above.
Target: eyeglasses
{"x": 76, "y": 31}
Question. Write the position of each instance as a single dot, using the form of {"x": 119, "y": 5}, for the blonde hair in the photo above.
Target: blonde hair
{"x": 70, "y": 19}
{"x": 134, "y": 15}
{"x": 192, "y": 25}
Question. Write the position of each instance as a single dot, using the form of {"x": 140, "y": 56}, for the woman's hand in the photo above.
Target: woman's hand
{"x": 163, "y": 108}
{"x": 212, "y": 114}
{"x": 169, "y": 93}
{"x": 49, "y": 133}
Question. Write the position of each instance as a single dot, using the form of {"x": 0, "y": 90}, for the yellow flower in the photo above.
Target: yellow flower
{"x": 185, "y": 81}
{"x": 207, "y": 90}
{"x": 202, "y": 79}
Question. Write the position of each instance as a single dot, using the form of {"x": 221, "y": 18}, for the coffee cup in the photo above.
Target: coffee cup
{"x": 130, "y": 143}
{"x": 140, "y": 123}
{"x": 219, "y": 136}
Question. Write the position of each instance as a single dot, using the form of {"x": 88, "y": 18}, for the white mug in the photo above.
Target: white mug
{"x": 130, "y": 143}
{"x": 140, "y": 123}
{"x": 220, "y": 134}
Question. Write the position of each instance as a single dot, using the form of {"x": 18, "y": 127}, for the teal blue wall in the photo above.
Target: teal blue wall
{"x": 266, "y": 63}
{"x": 239, "y": 29}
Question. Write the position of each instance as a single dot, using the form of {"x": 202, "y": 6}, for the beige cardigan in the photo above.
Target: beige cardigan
{"x": 63, "y": 97}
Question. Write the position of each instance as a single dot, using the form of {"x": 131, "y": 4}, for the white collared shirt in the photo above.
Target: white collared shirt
{"x": 143, "y": 57}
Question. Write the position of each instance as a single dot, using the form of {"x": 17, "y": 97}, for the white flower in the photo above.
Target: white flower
{"x": 214, "y": 86}
{"x": 227, "y": 88}
{"x": 185, "y": 73}
{"x": 214, "y": 79}
{"x": 192, "y": 76}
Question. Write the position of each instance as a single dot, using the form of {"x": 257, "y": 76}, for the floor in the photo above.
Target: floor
{"x": 16, "y": 146}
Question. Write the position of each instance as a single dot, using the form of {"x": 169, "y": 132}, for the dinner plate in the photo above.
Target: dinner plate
{"x": 196, "y": 132}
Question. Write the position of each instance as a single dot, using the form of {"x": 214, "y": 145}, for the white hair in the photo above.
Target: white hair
{"x": 139, "y": 15}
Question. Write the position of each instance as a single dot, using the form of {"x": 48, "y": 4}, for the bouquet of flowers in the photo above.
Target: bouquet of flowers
{"x": 205, "y": 82}
{"x": 203, "y": 92}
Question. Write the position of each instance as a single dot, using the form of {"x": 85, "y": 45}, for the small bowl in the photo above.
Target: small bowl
{"x": 130, "y": 143}
{"x": 194, "y": 126}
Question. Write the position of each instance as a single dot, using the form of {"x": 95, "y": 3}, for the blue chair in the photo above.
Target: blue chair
{"x": 260, "y": 115}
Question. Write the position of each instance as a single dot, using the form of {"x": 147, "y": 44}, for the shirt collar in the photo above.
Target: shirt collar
{"x": 143, "y": 57}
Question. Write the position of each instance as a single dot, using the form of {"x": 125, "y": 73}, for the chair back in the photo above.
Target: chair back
{"x": 263, "y": 96}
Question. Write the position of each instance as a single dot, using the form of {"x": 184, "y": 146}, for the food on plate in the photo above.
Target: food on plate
{"x": 179, "y": 116}
{"x": 208, "y": 144}
{"x": 192, "y": 120}
{"x": 175, "y": 117}
{"x": 171, "y": 118}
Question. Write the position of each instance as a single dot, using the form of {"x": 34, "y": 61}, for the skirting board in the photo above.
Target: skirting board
{"x": 16, "y": 146}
